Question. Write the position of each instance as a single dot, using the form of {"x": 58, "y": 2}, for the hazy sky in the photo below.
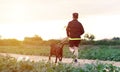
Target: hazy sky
{"x": 23, "y": 13}
{"x": 36, "y": 10}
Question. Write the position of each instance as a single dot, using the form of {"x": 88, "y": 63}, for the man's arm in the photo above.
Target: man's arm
{"x": 67, "y": 31}
{"x": 82, "y": 30}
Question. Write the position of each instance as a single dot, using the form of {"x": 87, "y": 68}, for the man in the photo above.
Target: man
{"x": 74, "y": 31}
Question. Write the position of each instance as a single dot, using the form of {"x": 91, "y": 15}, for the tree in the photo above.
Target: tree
{"x": 90, "y": 37}
{"x": 115, "y": 38}
{"x": 38, "y": 38}
{"x": 35, "y": 40}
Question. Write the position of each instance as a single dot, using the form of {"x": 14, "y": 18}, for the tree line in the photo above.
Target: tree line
{"x": 37, "y": 41}
{"x": 33, "y": 41}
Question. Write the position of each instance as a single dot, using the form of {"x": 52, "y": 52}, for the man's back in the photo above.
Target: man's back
{"x": 75, "y": 29}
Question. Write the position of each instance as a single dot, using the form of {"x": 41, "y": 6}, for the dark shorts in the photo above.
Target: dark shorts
{"x": 74, "y": 43}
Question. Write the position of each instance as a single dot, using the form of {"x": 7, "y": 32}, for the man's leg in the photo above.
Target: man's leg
{"x": 72, "y": 50}
{"x": 76, "y": 53}
{"x": 71, "y": 46}
{"x": 77, "y": 42}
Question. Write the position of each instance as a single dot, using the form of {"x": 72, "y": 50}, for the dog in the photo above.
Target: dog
{"x": 57, "y": 50}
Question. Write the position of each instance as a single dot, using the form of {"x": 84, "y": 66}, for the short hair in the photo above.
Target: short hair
{"x": 75, "y": 15}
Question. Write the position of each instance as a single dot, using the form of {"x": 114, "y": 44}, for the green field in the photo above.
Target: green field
{"x": 100, "y": 52}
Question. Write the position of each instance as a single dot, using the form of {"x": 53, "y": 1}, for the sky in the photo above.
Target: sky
{"x": 48, "y": 18}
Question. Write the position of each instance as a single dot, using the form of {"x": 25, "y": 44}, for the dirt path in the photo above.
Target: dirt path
{"x": 65, "y": 60}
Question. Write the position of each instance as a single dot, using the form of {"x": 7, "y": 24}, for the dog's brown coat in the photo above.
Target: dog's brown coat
{"x": 57, "y": 50}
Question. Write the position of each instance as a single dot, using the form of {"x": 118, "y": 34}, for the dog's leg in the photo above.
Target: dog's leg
{"x": 60, "y": 58}
{"x": 50, "y": 57}
{"x": 56, "y": 60}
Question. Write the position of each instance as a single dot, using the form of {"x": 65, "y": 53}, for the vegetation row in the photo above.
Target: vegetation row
{"x": 37, "y": 41}
{"x": 9, "y": 64}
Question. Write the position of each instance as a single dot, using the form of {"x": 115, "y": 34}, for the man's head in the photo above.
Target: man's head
{"x": 75, "y": 15}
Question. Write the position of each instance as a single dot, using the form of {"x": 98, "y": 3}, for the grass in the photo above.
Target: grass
{"x": 100, "y": 52}
{"x": 42, "y": 50}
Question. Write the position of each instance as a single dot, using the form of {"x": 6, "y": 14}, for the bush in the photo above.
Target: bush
{"x": 102, "y": 52}
{"x": 9, "y": 64}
